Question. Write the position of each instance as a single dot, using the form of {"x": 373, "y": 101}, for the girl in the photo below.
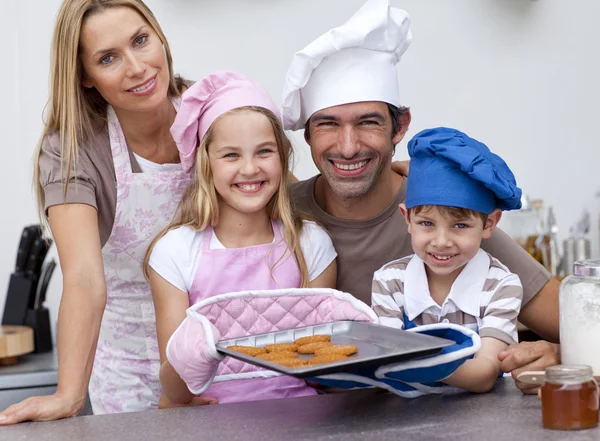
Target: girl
{"x": 236, "y": 228}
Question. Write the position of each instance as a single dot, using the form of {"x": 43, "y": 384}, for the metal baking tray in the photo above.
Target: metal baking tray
{"x": 377, "y": 345}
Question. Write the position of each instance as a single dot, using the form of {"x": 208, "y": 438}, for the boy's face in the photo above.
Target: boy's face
{"x": 444, "y": 243}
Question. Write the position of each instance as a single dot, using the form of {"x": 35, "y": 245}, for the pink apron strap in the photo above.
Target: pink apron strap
{"x": 276, "y": 231}
{"x": 206, "y": 238}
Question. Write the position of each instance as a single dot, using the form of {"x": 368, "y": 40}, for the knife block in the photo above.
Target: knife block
{"x": 39, "y": 320}
{"x": 18, "y": 297}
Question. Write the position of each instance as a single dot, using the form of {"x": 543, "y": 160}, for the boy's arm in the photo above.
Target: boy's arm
{"x": 498, "y": 329}
{"x": 389, "y": 308}
{"x": 481, "y": 372}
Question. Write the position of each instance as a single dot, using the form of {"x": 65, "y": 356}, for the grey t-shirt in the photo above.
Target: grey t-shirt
{"x": 364, "y": 246}
{"x": 93, "y": 181}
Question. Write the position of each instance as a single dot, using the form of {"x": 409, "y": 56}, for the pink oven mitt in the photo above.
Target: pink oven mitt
{"x": 191, "y": 349}
{"x": 192, "y": 352}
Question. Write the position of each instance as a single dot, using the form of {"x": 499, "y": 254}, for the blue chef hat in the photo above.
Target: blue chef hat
{"x": 449, "y": 168}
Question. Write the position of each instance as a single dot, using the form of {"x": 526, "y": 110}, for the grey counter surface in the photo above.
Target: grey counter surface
{"x": 504, "y": 414}
{"x": 31, "y": 370}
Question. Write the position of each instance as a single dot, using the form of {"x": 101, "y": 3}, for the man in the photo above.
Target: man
{"x": 343, "y": 90}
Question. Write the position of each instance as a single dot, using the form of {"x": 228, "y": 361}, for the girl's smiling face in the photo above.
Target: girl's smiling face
{"x": 244, "y": 160}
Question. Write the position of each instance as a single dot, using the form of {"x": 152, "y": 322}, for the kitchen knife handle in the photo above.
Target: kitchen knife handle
{"x": 33, "y": 268}
{"x": 34, "y": 252}
{"x": 37, "y": 255}
{"x": 42, "y": 288}
{"x": 28, "y": 236}
{"x": 37, "y": 269}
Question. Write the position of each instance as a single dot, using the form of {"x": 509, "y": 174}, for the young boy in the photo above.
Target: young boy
{"x": 455, "y": 195}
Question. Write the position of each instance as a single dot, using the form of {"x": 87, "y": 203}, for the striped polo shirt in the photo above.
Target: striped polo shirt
{"x": 485, "y": 297}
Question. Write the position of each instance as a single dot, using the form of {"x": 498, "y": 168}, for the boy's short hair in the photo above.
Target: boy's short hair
{"x": 452, "y": 212}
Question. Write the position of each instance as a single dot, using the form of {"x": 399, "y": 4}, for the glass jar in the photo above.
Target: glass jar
{"x": 579, "y": 306}
{"x": 569, "y": 398}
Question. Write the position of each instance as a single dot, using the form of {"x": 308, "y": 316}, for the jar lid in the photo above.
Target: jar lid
{"x": 590, "y": 268}
{"x": 568, "y": 374}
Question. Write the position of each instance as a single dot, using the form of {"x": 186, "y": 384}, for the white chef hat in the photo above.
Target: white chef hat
{"x": 354, "y": 62}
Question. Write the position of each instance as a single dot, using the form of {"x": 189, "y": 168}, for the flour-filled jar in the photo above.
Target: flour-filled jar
{"x": 579, "y": 304}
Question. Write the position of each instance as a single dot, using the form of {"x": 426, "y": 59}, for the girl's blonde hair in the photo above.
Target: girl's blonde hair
{"x": 73, "y": 111}
{"x": 199, "y": 206}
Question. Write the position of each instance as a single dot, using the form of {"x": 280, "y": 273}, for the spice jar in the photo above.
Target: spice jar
{"x": 579, "y": 305}
{"x": 569, "y": 398}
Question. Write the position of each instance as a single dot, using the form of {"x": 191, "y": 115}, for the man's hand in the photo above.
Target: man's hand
{"x": 528, "y": 356}
{"x": 401, "y": 167}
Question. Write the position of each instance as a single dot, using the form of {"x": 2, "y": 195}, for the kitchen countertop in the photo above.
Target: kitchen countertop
{"x": 31, "y": 370}
{"x": 34, "y": 374}
{"x": 503, "y": 414}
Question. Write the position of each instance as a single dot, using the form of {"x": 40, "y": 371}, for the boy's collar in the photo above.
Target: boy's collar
{"x": 465, "y": 292}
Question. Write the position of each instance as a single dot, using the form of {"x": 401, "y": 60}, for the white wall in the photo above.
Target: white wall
{"x": 520, "y": 75}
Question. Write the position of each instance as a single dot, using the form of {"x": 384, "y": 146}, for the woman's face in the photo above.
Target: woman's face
{"x": 123, "y": 58}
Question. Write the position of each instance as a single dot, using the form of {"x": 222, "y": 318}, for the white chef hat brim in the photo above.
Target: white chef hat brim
{"x": 340, "y": 73}
{"x": 355, "y": 62}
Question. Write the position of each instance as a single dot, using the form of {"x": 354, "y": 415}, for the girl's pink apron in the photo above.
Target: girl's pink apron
{"x": 258, "y": 267}
{"x": 125, "y": 373}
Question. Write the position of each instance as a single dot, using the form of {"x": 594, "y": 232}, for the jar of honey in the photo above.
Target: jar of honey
{"x": 569, "y": 398}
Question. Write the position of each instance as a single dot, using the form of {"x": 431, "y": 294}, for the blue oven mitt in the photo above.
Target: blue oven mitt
{"x": 415, "y": 377}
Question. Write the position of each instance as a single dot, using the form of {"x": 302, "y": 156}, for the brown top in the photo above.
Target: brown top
{"x": 93, "y": 182}
{"x": 364, "y": 246}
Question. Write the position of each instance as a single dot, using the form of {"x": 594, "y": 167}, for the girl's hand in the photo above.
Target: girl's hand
{"x": 44, "y": 408}
{"x": 401, "y": 167}
{"x": 165, "y": 403}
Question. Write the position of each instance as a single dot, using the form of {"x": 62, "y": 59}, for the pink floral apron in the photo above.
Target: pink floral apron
{"x": 125, "y": 373}
{"x": 237, "y": 269}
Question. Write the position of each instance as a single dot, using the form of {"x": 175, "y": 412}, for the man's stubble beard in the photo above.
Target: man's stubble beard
{"x": 362, "y": 187}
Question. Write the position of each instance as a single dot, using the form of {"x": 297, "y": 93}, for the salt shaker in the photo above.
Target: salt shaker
{"x": 579, "y": 305}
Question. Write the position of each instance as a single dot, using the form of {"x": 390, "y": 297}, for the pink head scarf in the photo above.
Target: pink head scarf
{"x": 209, "y": 98}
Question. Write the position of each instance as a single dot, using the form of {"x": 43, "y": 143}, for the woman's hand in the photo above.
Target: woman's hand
{"x": 528, "y": 356}
{"x": 401, "y": 167}
{"x": 44, "y": 408}
{"x": 165, "y": 403}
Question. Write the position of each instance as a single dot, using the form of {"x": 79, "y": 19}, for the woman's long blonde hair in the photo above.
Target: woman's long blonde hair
{"x": 72, "y": 111}
{"x": 199, "y": 206}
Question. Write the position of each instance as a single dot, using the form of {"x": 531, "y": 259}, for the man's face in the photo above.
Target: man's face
{"x": 352, "y": 145}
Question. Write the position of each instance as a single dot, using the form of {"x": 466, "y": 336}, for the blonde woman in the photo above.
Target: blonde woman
{"x": 108, "y": 180}
{"x": 236, "y": 229}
